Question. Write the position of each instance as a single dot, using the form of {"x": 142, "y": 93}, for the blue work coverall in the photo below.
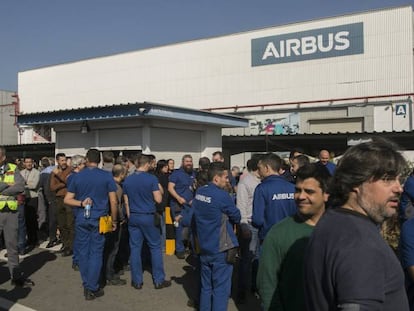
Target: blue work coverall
{"x": 214, "y": 213}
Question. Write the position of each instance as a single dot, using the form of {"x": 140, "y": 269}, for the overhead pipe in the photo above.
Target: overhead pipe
{"x": 366, "y": 98}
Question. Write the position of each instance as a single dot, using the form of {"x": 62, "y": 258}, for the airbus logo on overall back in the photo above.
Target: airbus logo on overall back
{"x": 311, "y": 44}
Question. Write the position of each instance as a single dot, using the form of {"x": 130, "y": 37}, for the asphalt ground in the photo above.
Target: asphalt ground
{"x": 58, "y": 287}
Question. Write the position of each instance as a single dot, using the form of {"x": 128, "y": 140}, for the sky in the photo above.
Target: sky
{"x": 42, "y": 33}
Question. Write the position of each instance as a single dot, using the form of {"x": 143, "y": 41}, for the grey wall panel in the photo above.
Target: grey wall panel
{"x": 120, "y": 137}
{"x": 175, "y": 140}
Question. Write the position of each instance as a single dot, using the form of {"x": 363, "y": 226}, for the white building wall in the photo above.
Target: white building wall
{"x": 217, "y": 72}
{"x": 164, "y": 139}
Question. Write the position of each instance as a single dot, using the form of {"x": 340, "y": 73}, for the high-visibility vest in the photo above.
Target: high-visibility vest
{"x": 8, "y": 178}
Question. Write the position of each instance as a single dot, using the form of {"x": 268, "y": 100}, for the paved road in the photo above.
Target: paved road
{"x": 58, "y": 287}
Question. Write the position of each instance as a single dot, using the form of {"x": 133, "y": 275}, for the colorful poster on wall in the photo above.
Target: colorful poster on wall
{"x": 42, "y": 133}
{"x": 274, "y": 124}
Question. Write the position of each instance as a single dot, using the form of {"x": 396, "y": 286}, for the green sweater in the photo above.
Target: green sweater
{"x": 280, "y": 275}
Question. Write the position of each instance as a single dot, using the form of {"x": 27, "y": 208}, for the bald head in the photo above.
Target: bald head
{"x": 324, "y": 157}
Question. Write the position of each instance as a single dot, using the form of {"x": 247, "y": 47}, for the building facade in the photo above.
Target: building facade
{"x": 351, "y": 74}
{"x": 8, "y": 118}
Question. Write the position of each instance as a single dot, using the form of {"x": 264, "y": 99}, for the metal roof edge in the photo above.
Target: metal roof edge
{"x": 132, "y": 110}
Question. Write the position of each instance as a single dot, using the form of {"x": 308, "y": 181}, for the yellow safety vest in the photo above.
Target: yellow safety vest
{"x": 8, "y": 178}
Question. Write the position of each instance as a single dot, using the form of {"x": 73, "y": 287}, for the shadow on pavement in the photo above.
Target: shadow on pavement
{"x": 190, "y": 279}
{"x": 29, "y": 266}
{"x": 190, "y": 282}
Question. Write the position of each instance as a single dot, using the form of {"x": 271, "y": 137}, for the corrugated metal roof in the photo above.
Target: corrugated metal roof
{"x": 132, "y": 110}
{"x": 323, "y": 134}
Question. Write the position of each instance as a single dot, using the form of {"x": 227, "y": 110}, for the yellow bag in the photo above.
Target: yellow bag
{"x": 105, "y": 224}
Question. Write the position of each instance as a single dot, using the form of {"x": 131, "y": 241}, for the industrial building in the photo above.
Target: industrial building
{"x": 8, "y": 118}
{"x": 325, "y": 83}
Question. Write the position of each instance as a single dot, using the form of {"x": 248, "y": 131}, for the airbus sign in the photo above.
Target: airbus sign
{"x": 311, "y": 44}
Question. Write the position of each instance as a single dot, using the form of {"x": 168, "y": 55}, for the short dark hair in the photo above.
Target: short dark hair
{"x": 108, "y": 157}
{"x": 121, "y": 160}
{"x": 203, "y": 163}
{"x": 295, "y": 150}
{"x": 302, "y": 160}
{"x": 93, "y": 155}
{"x": 216, "y": 168}
{"x": 133, "y": 157}
{"x": 45, "y": 162}
{"x": 318, "y": 172}
{"x": 218, "y": 153}
{"x": 272, "y": 160}
{"x": 59, "y": 155}
{"x": 151, "y": 157}
{"x": 252, "y": 163}
{"x": 369, "y": 161}
{"x": 143, "y": 159}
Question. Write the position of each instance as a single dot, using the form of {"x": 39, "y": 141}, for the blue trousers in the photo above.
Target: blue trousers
{"x": 215, "y": 282}
{"x": 141, "y": 227}
{"x": 90, "y": 244}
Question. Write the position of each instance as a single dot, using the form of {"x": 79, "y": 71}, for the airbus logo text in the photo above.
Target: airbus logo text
{"x": 312, "y": 44}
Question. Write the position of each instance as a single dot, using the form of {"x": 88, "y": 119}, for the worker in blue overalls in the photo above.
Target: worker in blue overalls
{"x": 141, "y": 192}
{"x": 214, "y": 214}
{"x": 91, "y": 187}
{"x": 181, "y": 189}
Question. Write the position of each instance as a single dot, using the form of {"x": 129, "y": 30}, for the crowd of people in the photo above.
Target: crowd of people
{"x": 302, "y": 235}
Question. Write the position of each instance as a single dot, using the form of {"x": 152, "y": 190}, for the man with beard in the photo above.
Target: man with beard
{"x": 348, "y": 265}
{"x": 180, "y": 187}
{"x": 64, "y": 212}
{"x": 141, "y": 192}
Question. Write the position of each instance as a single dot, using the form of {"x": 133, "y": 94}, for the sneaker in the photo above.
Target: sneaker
{"x": 116, "y": 282}
{"x": 163, "y": 284}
